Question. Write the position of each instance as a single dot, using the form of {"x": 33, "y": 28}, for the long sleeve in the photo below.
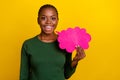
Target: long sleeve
{"x": 68, "y": 70}
{"x": 24, "y": 67}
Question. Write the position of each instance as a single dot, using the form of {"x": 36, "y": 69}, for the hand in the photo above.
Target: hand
{"x": 80, "y": 54}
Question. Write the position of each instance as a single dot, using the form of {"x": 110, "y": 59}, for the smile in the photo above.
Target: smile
{"x": 47, "y": 28}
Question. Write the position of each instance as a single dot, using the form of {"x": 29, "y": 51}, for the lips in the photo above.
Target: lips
{"x": 48, "y": 28}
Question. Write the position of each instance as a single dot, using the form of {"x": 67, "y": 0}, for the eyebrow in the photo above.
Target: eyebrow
{"x": 45, "y": 15}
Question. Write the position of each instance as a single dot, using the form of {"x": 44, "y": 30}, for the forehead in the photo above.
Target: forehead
{"x": 48, "y": 11}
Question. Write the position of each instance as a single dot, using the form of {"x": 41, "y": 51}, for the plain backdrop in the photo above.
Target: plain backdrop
{"x": 18, "y": 22}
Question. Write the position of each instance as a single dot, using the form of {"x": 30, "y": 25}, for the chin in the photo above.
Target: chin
{"x": 48, "y": 33}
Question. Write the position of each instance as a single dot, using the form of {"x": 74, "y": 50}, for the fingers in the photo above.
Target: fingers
{"x": 79, "y": 49}
{"x": 80, "y": 53}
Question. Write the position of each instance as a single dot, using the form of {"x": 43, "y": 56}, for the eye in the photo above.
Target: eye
{"x": 43, "y": 18}
{"x": 53, "y": 18}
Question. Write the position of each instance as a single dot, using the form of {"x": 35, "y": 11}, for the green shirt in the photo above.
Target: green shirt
{"x": 44, "y": 61}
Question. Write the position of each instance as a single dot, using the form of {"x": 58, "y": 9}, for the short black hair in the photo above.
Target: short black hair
{"x": 47, "y": 6}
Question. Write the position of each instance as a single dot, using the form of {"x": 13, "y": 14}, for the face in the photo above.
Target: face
{"x": 48, "y": 20}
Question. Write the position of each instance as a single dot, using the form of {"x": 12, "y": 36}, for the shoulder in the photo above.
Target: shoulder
{"x": 30, "y": 40}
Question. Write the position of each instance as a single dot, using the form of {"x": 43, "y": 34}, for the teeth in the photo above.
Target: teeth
{"x": 48, "y": 27}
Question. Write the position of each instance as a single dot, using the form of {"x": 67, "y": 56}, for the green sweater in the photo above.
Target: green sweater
{"x": 44, "y": 61}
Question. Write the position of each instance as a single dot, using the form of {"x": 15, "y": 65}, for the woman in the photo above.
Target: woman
{"x": 41, "y": 58}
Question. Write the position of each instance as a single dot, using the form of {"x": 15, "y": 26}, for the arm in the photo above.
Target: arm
{"x": 24, "y": 67}
{"x": 68, "y": 69}
{"x": 70, "y": 65}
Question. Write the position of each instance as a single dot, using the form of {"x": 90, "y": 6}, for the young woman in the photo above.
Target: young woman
{"x": 41, "y": 58}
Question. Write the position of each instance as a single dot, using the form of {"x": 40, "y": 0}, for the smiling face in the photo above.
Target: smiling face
{"x": 48, "y": 19}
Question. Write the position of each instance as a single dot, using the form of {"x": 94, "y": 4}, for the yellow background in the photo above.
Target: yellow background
{"x": 18, "y": 22}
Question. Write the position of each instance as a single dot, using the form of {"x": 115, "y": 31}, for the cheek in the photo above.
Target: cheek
{"x": 55, "y": 22}
{"x": 41, "y": 23}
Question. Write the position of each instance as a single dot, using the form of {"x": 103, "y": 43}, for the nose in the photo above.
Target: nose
{"x": 48, "y": 21}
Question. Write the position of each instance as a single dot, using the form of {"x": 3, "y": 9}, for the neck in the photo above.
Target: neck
{"x": 47, "y": 37}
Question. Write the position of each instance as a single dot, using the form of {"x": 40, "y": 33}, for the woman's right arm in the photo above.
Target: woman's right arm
{"x": 24, "y": 66}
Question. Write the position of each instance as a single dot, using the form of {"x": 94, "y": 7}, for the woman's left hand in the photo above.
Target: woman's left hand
{"x": 80, "y": 54}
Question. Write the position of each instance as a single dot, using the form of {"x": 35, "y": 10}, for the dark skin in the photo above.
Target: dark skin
{"x": 80, "y": 54}
{"x": 48, "y": 20}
